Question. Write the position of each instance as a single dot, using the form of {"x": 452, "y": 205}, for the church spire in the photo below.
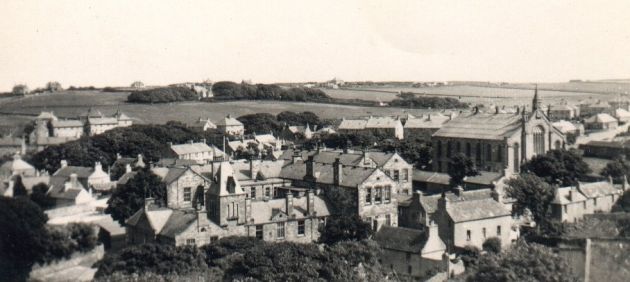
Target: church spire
{"x": 536, "y": 103}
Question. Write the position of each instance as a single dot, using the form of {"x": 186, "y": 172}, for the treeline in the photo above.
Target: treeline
{"x": 410, "y": 100}
{"x": 163, "y": 95}
{"x": 149, "y": 140}
{"x": 226, "y": 90}
{"x": 247, "y": 259}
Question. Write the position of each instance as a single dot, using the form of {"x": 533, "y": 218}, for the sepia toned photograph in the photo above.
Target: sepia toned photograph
{"x": 206, "y": 140}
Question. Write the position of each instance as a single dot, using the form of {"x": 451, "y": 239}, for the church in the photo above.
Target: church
{"x": 496, "y": 141}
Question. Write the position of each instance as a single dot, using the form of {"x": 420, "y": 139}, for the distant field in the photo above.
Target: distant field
{"x": 73, "y": 103}
{"x": 383, "y": 94}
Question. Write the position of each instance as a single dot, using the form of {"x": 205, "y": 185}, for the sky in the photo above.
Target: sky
{"x": 116, "y": 42}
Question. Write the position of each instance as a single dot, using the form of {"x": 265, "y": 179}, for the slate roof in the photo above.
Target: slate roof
{"x": 562, "y": 196}
{"x": 157, "y": 217}
{"x": 169, "y": 162}
{"x": 17, "y": 164}
{"x": 10, "y": 141}
{"x": 600, "y": 118}
{"x": 620, "y": 113}
{"x": 266, "y": 210}
{"x": 229, "y": 121}
{"x": 461, "y": 211}
{"x": 401, "y": 239}
{"x": 348, "y": 159}
{"x": 66, "y": 123}
{"x": 183, "y": 149}
{"x": 435, "y": 120}
{"x": 177, "y": 222}
{"x": 351, "y": 176}
{"x": 46, "y": 115}
{"x": 352, "y": 124}
{"x": 430, "y": 202}
{"x": 481, "y": 126}
{"x": 430, "y": 176}
{"x": 170, "y": 174}
{"x": 80, "y": 171}
{"x": 597, "y": 189}
{"x": 103, "y": 120}
{"x": 565, "y": 126}
{"x": 58, "y": 188}
{"x": 268, "y": 169}
{"x": 126, "y": 177}
{"x": 382, "y": 122}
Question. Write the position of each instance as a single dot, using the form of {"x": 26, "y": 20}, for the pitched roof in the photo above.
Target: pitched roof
{"x": 169, "y": 162}
{"x": 568, "y": 195}
{"x": 600, "y": 118}
{"x": 460, "y": 211}
{"x": 435, "y": 120}
{"x": 46, "y": 115}
{"x": 621, "y": 113}
{"x": 351, "y": 176}
{"x": 349, "y": 159}
{"x": 177, "y": 222}
{"x": 351, "y": 124}
{"x": 401, "y": 239}
{"x": 58, "y": 188}
{"x": 268, "y": 169}
{"x": 157, "y": 217}
{"x": 229, "y": 121}
{"x": 430, "y": 176}
{"x": 183, "y": 149}
{"x": 430, "y": 203}
{"x": 382, "y": 122}
{"x": 126, "y": 177}
{"x": 564, "y": 126}
{"x": 103, "y": 120}
{"x": 266, "y": 210}
{"x": 80, "y": 171}
{"x": 67, "y": 123}
{"x": 597, "y": 189}
{"x": 481, "y": 126}
{"x": 17, "y": 164}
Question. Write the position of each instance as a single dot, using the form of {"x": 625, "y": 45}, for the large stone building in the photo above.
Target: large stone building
{"x": 387, "y": 126}
{"x": 496, "y": 141}
{"x": 571, "y": 203}
{"x": 199, "y": 152}
{"x": 424, "y": 126}
{"x": 230, "y": 126}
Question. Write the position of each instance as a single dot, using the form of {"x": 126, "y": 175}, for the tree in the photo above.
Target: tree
{"x": 260, "y": 123}
{"x": 413, "y": 149}
{"x": 129, "y": 198}
{"x": 18, "y": 187}
{"x": 23, "y": 231}
{"x": 460, "y": 166}
{"x": 531, "y": 193}
{"x": 558, "y": 167}
{"x": 616, "y": 168}
{"x": 40, "y": 196}
{"x": 293, "y": 118}
{"x": 522, "y": 262}
{"x": 343, "y": 228}
{"x": 153, "y": 258}
{"x": 20, "y": 89}
{"x": 53, "y": 86}
{"x": 623, "y": 203}
{"x": 492, "y": 245}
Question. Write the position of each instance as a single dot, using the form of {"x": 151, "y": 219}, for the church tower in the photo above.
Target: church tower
{"x": 536, "y": 103}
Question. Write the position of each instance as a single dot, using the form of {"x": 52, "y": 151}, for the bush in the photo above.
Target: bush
{"x": 345, "y": 228}
{"x": 163, "y": 95}
{"x": 410, "y": 100}
{"x": 226, "y": 90}
{"x": 492, "y": 245}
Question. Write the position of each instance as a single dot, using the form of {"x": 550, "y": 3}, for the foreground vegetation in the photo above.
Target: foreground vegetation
{"x": 163, "y": 95}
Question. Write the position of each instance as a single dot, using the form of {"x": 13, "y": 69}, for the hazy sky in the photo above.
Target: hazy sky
{"x": 102, "y": 43}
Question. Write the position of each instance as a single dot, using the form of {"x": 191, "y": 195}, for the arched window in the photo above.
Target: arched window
{"x": 539, "y": 140}
{"x": 517, "y": 162}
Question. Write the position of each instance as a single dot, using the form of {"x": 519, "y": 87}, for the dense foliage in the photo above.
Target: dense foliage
{"x": 531, "y": 193}
{"x": 492, "y": 244}
{"x": 411, "y": 100}
{"x": 129, "y": 198}
{"x": 53, "y": 86}
{"x": 303, "y": 118}
{"x": 460, "y": 166}
{"x": 245, "y": 258}
{"x": 261, "y": 123}
{"x": 345, "y": 228}
{"x": 522, "y": 262}
{"x": 623, "y": 204}
{"x": 149, "y": 140}
{"x": 616, "y": 168}
{"x": 163, "y": 95}
{"x": 18, "y": 187}
{"x": 226, "y": 90}
{"x": 413, "y": 149}
{"x": 27, "y": 240}
{"x": 40, "y": 196}
{"x": 563, "y": 167}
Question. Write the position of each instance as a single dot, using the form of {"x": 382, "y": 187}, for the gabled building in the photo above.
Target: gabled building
{"x": 623, "y": 116}
{"x": 388, "y": 126}
{"x": 200, "y": 152}
{"x": 592, "y": 107}
{"x": 494, "y": 141}
{"x": 425, "y": 126}
{"x": 230, "y": 126}
{"x": 203, "y": 124}
{"x": 17, "y": 166}
{"x": 562, "y": 111}
{"x": 89, "y": 177}
{"x": 68, "y": 191}
{"x": 571, "y": 203}
{"x": 600, "y": 122}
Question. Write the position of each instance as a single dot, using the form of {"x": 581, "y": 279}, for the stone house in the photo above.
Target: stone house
{"x": 183, "y": 186}
{"x": 562, "y": 111}
{"x": 16, "y": 166}
{"x": 471, "y": 222}
{"x": 600, "y": 122}
{"x": 592, "y": 107}
{"x": 203, "y": 124}
{"x": 68, "y": 191}
{"x": 495, "y": 141}
{"x": 411, "y": 253}
{"x": 89, "y": 177}
{"x": 606, "y": 149}
{"x": 571, "y": 203}
{"x": 230, "y": 126}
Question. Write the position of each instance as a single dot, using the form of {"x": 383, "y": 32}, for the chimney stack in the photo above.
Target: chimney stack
{"x": 289, "y": 204}
{"x": 310, "y": 202}
{"x": 148, "y": 202}
{"x": 127, "y": 168}
{"x": 64, "y": 163}
{"x": 624, "y": 185}
{"x": 253, "y": 168}
{"x": 459, "y": 191}
{"x": 337, "y": 172}
{"x": 443, "y": 202}
{"x": 417, "y": 196}
{"x": 248, "y": 209}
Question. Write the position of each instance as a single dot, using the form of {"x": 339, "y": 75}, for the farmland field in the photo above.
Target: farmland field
{"x": 71, "y": 104}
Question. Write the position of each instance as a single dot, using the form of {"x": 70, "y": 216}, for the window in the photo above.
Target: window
{"x": 252, "y": 193}
{"x": 405, "y": 174}
{"x": 565, "y": 209}
{"x": 259, "y": 231}
{"x": 467, "y": 235}
{"x": 187, "y": 194}
{"x": 408, "y": 256}
{"x": 368, "y": 196}
{"x": 190, "y": 242}
{"x": 387, "y": 191}
{"x": 478, "y": 153}
{"x": 594, "y": 202}
{"x": 484, "y": 232}
{"x": 232, "y": 210}
{"x": 439, "y": 148}
{"x": 388, "y": 219}
{"x": 468, "y": 150}
{"x": 449, "y": 148}
{"x": 300, "y": 228}
{"x": 584, "y": 204}
{"x": 489, "y": 153}
{"x": 396, "y": 175}
{"x": 280, "y": 230}
{"x": 539, "y": 140}
{"x": 267, "y": 192}
{"x": 499, "y": 153}
{"x": 378, "y": 194}
{"x": 409, "y": 269}
{"x": 498, "y": 230}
